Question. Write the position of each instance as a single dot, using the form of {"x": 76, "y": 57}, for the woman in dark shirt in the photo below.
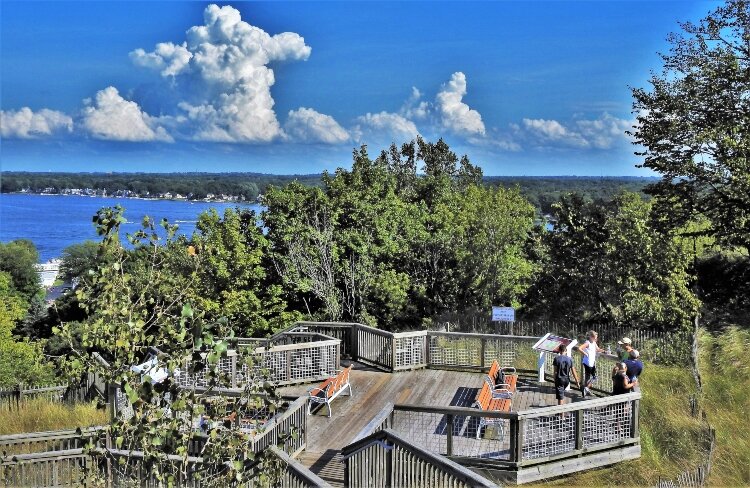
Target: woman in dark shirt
{"x": 621, "y": 384}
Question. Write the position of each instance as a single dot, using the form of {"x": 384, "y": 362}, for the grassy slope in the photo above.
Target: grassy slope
{"x": 725, "y": 372}
{"x": 670, "y": 437}
{"x": 39, "y": 415}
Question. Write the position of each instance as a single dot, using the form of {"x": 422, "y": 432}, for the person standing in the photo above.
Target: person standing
{"x": 563, "y": 366}
{"x": 621, "y": 384}
{"x": 589, "y": 349}
{"x": 634, "y": 365}
{"x": 624, "y": 346}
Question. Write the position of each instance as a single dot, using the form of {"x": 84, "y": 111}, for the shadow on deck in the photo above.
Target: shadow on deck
{"x": 373, "y": 389}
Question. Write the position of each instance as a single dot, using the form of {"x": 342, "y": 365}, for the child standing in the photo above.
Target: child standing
{"x": 589, "y": 350}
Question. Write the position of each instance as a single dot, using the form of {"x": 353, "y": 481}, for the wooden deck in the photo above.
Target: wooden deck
{"x": 373, "y": 389}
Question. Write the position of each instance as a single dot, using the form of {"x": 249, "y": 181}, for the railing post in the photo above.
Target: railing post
{"x": 634, "y": 428}
{"x": 393, "y": 352}
{"x": 482, "y": 346}
{"x": 389, "y": 453}
{"x": 449, "y": 436}
{"x": 234, "y": 371}
{"x": 579, "y": 429}
{"x": 426, "y": 354}
{"x": 516, "y": 439}
{"x": 355, "y": 342}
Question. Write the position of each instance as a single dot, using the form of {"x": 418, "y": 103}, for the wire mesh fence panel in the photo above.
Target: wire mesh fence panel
{"x": 410, "y": 351}
{"x": 455, "y": 351}
{"x": 548, "y": 436}
{"x": 123, "y": 407}
{"x": 607, "y": 424}
{"x": 470, "y": 435}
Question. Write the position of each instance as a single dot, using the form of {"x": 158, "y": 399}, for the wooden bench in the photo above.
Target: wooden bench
{"x": 486, "y": 400}
{"x": 329, "y": 390}
{"x": 509, "y": 378}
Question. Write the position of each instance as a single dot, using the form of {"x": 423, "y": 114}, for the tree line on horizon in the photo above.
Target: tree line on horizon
{"x": 541, "y": 191}
{"x": 398, "y": 241}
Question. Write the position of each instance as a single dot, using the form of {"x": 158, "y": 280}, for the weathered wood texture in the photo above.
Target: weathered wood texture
{"x": 56, "y": 440}
{"x": 385, "y": 459}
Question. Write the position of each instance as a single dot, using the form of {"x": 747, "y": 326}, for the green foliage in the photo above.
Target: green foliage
{"x": 384, "y": 244}
{"x": 693, "y": 123}
{"x": 78, "y": 259}
{"x": 21, "y": 361}
{"x": 233, "y": 278}
{"x": 725, "y": 372}
{"x": 140, "y": 300}
{"x": 19, "y": 259}
{"x": 608, "y": 264}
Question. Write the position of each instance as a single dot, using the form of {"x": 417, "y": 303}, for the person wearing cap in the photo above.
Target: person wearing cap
{"x": 624, "y": 346}
{"x": 634, "y": 364}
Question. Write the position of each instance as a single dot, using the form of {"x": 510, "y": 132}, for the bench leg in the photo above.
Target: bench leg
{"x": 329, "y": 409}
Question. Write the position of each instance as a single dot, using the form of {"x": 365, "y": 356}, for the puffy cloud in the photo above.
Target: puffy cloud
{"x": 170, "y": 58}
{"x": 601, "y": 133}
{"x": 227, "y": 81}
{"x": 307, "y": 125}
{"x": 27, "y": 124}
{"x": 111, "y": 117}
{"x": 385, "y": 123}
{"x": 415, "y": 107}
{"x": 454, "y": 113}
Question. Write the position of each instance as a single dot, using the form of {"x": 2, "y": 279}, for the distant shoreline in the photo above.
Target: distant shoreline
{"x": 162, "y": 199}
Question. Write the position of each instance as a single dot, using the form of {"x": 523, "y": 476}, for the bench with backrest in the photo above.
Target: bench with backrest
{"x": 488, "y": 401}
{"x": 502, "y": 379}
{"x": 327, "y": 391}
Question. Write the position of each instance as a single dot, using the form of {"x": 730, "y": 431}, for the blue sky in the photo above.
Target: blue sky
{"x": 523, "y": 88}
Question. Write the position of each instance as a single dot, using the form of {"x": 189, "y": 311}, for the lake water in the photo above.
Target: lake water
{"x": 54, "y": 222}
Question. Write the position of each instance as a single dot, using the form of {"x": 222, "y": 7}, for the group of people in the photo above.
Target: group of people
{"x": 624, "y": 375}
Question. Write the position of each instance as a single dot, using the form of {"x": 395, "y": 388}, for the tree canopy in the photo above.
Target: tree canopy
{"x": 694, "y": 125}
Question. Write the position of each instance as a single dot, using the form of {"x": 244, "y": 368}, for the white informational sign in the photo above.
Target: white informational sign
{"x": 503, "y": 314}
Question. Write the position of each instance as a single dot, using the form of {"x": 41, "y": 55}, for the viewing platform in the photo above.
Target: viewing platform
{"x": 417, "y": 409}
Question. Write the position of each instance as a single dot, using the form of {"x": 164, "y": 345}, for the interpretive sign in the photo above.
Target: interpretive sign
{"x": 550, "y": 343}
{"x": 503, "y": 314}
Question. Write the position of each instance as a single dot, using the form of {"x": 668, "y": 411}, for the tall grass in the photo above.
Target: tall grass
{"x": 41, "y": 414}
{"x": 671, "y": 439}
{"x": 725, "y": 369}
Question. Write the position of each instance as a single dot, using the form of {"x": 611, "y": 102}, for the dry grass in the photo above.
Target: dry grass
{"x": 41, "y": 414}
{"x": 725, "y": 371}
{"x": 671, "y": 438}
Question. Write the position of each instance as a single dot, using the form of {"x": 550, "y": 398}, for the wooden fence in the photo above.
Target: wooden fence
{"x": 385, "y": 459}
{"x": 57, "y": 440}
{"x": 530, "y": 444}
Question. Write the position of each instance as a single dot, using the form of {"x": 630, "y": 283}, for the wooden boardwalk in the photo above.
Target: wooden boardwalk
{"x": 373, "y": 389}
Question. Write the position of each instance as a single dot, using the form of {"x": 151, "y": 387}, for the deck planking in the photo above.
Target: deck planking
{"x": 373, "y": 389}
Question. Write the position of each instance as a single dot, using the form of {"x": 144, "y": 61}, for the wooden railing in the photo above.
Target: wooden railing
{"x": 55, "y": 440}
{"x": 49, "y": 469}
{"x": 385, "y": 459}
{"x": 397, "y": 351}
{"x": 517, "y": 438}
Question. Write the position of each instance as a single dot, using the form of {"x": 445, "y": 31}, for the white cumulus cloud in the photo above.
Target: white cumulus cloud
{"x": 600, "y": 133}
{"x": 388, "y": 124}
{"x": 227, "y": 81}
{"x": 456, "y": 115}
{"x": 27, "y": 124}
{"x": 307, "y": 125}
{"x": 111, "y": 117}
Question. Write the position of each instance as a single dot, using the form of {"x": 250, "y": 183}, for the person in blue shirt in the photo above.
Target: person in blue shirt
{"x": 634, "y": 364}
{"x": 563, "y": 365}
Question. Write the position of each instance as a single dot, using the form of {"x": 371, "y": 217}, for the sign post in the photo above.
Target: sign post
{"x": 503, "y": 314}
{"x": 550, "y": 343}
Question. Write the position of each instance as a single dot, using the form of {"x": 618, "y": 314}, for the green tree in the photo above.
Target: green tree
{"x": 78, "y": 259}
{"x": 694, "y": 123}
{"x": 21, "y": 361}
{"x": 141, "y": 297}
{"x": 19, "y": 259}
{"x": 607, "y": 263}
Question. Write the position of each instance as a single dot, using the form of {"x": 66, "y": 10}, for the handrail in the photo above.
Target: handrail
{"x": 457, "y": 411}
{"x": 299, "y": 470}
{"x": 40, "y": 456}
{"x": 575, "y": 406}
{"x": 449, "y": 467}
{"x": 52, "y": 434}
{"x": 376, "y": 422}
